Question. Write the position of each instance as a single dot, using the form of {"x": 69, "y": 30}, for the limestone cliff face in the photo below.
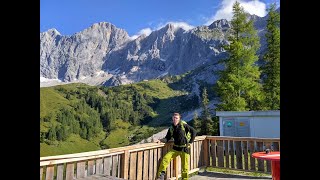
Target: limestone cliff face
{"x": 170, "y": 50}
{"x": 70, "y": 58}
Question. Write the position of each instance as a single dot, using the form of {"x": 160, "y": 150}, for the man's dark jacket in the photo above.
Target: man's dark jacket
{"x": 179, "y": 136}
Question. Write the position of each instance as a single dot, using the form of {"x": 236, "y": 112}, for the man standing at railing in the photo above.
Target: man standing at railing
{"x": 183, "y": 136}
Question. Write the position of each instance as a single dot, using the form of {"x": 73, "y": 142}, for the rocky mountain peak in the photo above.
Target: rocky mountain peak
{"x": 102, "y": 26}
{"x": 222, "y": 23}
{"x": 102, "y": 29}
{"x": 50, "y": 33}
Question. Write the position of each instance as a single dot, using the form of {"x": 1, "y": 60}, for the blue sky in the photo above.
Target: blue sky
{"x": 138, "y": 16}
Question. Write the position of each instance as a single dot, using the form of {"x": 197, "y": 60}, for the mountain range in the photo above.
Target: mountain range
{"x": 104, "y": 54}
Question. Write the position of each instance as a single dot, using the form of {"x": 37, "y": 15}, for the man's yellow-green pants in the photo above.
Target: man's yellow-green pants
{"x": 184, "y": 162}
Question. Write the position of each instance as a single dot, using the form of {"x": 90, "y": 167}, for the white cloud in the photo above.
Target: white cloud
{"x": 225, "y": 12}
{"x": 176, "y": 24}
{"x": 145, "y": 31}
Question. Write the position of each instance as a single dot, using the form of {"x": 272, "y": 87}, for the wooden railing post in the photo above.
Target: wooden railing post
{"x": 176, "y": 167}
{"x": 239, "y": 154}
{"x": 226, "y": 150}
{"x": 114, "y": 165}
{"x": 245, "y": 154}
{"x": 124, "y": 165}
{"x": 133, "y": 165}
{"x": 107, "y": 161}
{"x": 60, "y": 172}
{"x": 232, "y": 153}
{"x": 206, "y": 152}
{"x": 49, "y": 172}
{"x": 41, "y": 172}
{"x": 81, "y": 169}
{"x": 90, "y": 167}
{"x": 252, "y": 159}
{"x": 99, "y": 166}
{"x": 70, "y": 171}
{"x": 145, "y": 164}
{"x": 213, "y": 152}
{"x": 220, "y": 153}
{"x": 260, "y": 161}
{"x": 268, "y": 146}
{"x": 151, "y": 168}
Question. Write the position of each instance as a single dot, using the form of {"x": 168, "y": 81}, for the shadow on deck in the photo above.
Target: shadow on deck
{"x": 200, "y": 176}
{"x": 100, "y": 177}
{"x": 222, "y": 176}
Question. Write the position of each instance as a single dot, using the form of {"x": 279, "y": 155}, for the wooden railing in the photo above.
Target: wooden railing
{"x": 235, "y": 152}
{"x": 141, "y": 161}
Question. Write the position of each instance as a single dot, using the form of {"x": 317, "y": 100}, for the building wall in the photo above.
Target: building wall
{"x": 265, "y": 127}
{"x": 262, "y": 124}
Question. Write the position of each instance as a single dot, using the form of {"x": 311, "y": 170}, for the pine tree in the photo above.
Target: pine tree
{"x": 238, "y": 87}
{"x": 59, "y": 133}
{"x": 207, "y": 123}
{"x": 52, "y": 134}
{"x": 271, "y": 66}
{"x": 196, "y": 123}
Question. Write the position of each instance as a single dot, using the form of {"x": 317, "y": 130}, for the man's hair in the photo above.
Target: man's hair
{"x": 176, "y": 114}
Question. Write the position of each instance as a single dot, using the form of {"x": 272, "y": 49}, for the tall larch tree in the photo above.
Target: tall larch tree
{"x": 271, "y": 66}
{"x": 239, "y": 86}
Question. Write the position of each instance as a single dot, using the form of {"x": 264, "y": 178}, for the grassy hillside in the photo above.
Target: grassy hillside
{"x": 77, "y": 117}
{"x": 51, "y": 101}
{"x": 74, "y": 144}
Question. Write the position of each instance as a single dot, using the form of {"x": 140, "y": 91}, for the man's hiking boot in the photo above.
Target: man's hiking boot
{"x": 161, "y": 177}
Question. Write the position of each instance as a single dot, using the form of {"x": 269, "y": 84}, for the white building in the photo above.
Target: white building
{"x": 261, "y": 124}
